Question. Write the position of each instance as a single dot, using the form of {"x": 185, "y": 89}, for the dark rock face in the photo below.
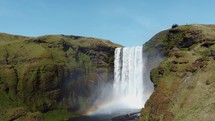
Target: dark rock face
{"x": 52, "y": 72}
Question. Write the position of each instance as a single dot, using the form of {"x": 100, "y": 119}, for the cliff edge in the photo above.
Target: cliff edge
{"x": 185, "y": 79}
{"x": 46, "y": 77}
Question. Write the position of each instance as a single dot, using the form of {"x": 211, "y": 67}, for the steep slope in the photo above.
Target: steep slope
{"x": 51, "y": 72}
{"x": 184, "y": 81}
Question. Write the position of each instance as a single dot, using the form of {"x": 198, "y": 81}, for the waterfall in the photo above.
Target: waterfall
{"x": 131, "y": 86}
{"x": 129, "y": 82}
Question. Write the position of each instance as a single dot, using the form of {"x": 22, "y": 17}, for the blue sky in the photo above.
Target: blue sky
{"x": 127, "y": 22}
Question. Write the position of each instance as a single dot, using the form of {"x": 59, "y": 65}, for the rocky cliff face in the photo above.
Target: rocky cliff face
{"x": 184, "y": 81}
{"x": 51, "y": 72}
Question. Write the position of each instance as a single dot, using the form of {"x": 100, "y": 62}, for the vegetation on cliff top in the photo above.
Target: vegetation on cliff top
{"x": 44, "y": 76}
{"x": 184, "y": 80}
{"x": 50, "y": 72}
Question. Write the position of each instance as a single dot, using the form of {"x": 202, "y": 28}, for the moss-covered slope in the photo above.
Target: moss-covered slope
{"x": 184, "y": 80}
{"x": 50, "y": 72}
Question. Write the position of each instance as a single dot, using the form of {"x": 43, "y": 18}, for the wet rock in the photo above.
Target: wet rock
{"x": 128, "y": 117}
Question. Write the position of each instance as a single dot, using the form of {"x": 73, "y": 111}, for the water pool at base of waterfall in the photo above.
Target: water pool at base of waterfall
{"x": 105, "y": 117}
{"x": 93, "y": 118}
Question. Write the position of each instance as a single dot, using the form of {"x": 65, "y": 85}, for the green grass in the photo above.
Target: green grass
{"x": 204, "y": 53}
{"x": 6, "y": 102}
{"x": 58, "y": 115}
{"x": 41, "y": 63}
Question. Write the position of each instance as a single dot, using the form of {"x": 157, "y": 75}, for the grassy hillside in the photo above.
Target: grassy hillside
{"x": 51, "y": 74}
{"x": 184, "y": 80}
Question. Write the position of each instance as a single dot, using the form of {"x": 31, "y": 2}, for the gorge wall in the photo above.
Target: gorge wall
{"x": 184, "y": 81}
{"x": 51, "y": 74}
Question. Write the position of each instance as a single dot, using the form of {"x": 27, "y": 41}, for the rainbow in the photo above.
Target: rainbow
{"x": 115, "y": 103}
{"x": 99, "y": 107}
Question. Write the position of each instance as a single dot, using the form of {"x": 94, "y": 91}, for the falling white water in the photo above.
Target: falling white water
{"x": 129, "y": 75}
{"x": 132, "y": 85}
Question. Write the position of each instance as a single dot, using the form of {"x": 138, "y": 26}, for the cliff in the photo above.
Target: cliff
{"x": 49, "y": 76}
{"x": 184, "y": 81}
